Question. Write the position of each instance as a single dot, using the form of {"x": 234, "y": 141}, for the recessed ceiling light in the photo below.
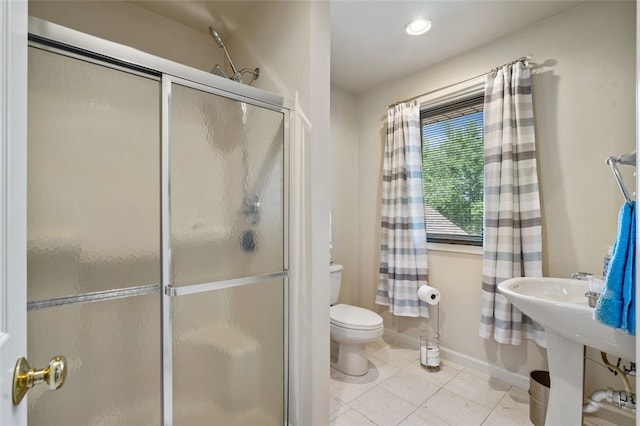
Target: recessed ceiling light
{"x": 419, "y": 26}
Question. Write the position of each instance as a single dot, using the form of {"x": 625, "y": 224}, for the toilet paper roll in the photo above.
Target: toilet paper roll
{"x": 429, "y": 294}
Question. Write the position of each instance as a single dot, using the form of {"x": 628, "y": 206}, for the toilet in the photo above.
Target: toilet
{"x": 351, "y": 328}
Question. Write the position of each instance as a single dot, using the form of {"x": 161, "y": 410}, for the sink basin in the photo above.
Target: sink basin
{"x": 560, "y": 305}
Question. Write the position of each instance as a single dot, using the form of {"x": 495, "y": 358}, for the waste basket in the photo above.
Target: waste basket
{"x": 539, "y": 385}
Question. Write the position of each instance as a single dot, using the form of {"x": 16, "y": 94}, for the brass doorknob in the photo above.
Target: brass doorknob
{"x": 25, "y": 377}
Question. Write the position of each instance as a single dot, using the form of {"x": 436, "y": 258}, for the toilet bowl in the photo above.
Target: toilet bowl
{"x": 351, "y": 328}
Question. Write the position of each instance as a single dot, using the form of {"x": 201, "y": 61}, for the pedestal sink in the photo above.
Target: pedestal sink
{"x": 561, "y": 307}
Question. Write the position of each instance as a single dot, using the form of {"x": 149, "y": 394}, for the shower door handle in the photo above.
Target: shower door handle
{"x": 25, "y": 377}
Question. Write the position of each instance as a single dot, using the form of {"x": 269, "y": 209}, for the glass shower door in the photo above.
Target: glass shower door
{"x": 93, "y": 249}
{"x": 224, "y": 259}
{"x": 157, "y": 247}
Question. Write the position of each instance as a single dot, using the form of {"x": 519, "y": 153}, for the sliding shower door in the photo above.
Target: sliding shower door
{"x": 157, "y": 245}
{"x": 93, "y": 249}
{"x": 225, "y": 285}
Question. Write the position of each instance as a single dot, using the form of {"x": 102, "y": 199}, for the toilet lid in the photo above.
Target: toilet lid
{"x": 355, "y": 318}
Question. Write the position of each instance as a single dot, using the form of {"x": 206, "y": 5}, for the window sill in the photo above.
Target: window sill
{"x": 455, "y": 248}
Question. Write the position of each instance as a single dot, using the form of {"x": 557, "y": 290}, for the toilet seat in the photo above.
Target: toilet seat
{"x": 354, "y": 318}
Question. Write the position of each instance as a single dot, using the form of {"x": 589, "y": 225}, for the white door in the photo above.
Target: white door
{"x": 13, "y": 137}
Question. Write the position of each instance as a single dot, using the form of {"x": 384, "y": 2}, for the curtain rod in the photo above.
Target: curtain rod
{"x": 522, "y": 58}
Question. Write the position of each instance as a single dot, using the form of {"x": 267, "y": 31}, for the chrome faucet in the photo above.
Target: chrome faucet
{"x": 592, "y": 297}
{"x": 584, "y": 276}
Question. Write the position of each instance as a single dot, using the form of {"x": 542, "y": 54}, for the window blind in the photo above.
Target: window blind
{"x": 452, "y": 170}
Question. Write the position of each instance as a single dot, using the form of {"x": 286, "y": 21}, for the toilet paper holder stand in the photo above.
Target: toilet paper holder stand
{"x": 430, "y": 346}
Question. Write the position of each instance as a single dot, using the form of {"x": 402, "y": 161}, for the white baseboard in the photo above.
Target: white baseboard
{"x": 510, "y": 377}
{"x": 482, "y": 366}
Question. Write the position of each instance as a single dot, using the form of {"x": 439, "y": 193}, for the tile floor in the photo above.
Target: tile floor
{"x": 398, "y": 391}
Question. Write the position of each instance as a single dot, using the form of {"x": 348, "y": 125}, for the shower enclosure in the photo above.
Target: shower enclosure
{"x": 157, "y": 259}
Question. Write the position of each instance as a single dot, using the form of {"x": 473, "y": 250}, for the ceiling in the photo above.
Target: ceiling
{"x": 368, "y": 43}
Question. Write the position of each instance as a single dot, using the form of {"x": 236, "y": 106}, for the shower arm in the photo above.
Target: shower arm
{"x": 217, "y": 70}
{"x": 236, "y": 75}
{"x": 254, "y": 72}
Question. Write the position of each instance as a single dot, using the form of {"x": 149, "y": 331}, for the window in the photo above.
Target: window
{"x": 452, "y": 171}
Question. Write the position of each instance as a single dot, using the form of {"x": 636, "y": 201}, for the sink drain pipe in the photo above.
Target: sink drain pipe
{"x": 595, "y": 401}
{"x": 622, "y": 399}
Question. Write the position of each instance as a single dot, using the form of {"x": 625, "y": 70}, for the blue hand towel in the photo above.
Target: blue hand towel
{"x": 616, "y": 306}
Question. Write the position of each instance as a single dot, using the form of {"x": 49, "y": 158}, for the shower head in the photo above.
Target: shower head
{"x": 217, "y": 70}
{"x": 216, "y": 37}
{"x": 236, "y": 76}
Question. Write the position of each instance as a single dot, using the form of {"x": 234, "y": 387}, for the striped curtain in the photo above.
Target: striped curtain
{"x": 512, "y": 228}
{"x": 403, "y": 251}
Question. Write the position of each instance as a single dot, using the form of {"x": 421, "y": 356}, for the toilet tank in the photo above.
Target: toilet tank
{"x": 336, "y": 279}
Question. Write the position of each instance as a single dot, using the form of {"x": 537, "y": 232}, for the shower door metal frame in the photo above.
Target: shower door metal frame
{"x": 52, "y": 37}
{"x": 170, "y": 291}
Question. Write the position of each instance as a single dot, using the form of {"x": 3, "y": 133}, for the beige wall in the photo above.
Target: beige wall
{"x": 583, "y": 89}
{"x": 344, "y": 190}
{"x": 280, "y": 51}
{"x": 133, "y": 26}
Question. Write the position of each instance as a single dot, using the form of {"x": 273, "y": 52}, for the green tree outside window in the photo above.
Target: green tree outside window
{"x": 452, "y": 160}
